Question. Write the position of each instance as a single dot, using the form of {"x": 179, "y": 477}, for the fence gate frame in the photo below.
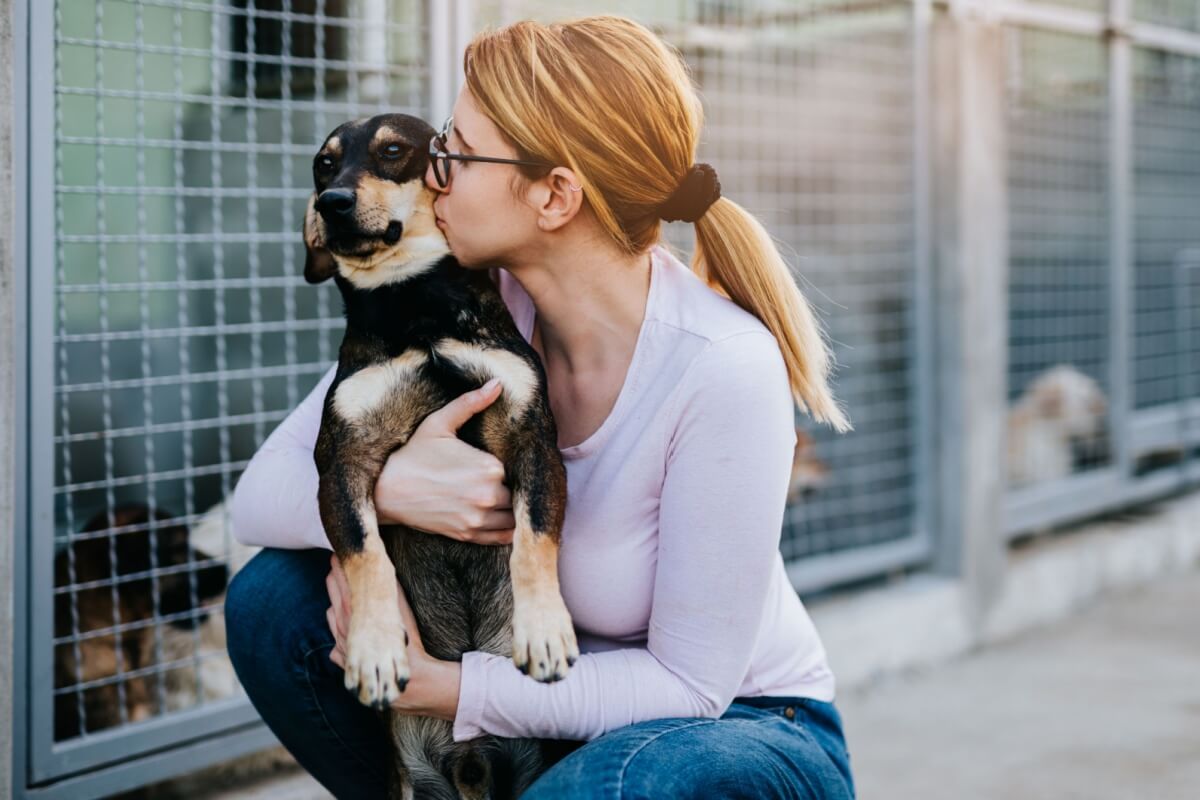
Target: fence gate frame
{"x": 121, "y": 758}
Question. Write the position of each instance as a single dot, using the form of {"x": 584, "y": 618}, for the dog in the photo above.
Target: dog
{"x": 1058, "y": 425}
{"x": 114, "y": 571}
{"x": 420, "y": 331}
{"x": 809, "y": 474}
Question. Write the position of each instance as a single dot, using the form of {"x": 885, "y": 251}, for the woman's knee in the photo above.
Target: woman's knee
{"x": 701, "y": 758}
{"x": 275, "y": 610}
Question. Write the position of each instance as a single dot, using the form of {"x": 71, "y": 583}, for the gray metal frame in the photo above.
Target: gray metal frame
{"x": 123, "y": 757}
{"x": 48, "y": 761}
{"x": 1133, "y": 432}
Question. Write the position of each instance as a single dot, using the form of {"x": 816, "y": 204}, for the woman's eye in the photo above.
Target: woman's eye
{"x": 392, "y": 151}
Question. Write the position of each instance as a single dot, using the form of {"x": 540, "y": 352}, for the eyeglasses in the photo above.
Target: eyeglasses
{"x": 440, "y": 157}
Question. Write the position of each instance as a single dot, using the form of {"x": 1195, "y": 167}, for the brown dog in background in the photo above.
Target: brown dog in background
{"x": 109, "y": 629}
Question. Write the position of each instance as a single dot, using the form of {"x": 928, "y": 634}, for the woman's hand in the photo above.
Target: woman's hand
{"x": 436, "y": 482}
{"x": 432, "y": 689}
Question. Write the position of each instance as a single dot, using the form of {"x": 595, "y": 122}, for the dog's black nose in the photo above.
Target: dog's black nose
{"x": 336, "y": 205}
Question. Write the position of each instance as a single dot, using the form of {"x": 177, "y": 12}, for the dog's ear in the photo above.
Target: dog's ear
{"x": 318, "y": 262}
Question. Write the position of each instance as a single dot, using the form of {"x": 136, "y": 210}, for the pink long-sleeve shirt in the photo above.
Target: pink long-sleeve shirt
{"x": 670, "y": 561}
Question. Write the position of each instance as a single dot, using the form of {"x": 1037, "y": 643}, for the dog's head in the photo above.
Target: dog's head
{"x": 1071, "y": 399}
{"x": 370, "y": 218}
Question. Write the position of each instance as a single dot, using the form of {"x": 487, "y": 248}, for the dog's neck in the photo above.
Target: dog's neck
{"x": 408, "y": 312}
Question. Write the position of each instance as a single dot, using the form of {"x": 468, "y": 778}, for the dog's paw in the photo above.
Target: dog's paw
{"x": 544, "y": 646}
{"x": 377, "y": 664}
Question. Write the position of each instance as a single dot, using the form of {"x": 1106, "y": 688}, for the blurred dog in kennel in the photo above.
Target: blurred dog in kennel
{"x": 809, "y": 473}
{"x": 137, "y": 618}
{"x": 1059, "y": 425}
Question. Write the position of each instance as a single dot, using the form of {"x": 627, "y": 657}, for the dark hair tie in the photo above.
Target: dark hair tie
{"x": 699, "y": 190}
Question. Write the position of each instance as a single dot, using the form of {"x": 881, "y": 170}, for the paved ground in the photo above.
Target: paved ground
{"x": 1104, "y": 705}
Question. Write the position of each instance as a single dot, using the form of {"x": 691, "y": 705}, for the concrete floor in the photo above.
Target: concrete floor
{"x": 1104, "y": 705}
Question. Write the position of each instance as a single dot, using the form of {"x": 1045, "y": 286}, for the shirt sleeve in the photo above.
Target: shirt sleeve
{"x": 275, "y": 501}
{"x": 720, "y": 517}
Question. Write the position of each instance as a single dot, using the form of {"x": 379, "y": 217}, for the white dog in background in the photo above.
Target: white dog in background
{"x": 1061, "y": 414}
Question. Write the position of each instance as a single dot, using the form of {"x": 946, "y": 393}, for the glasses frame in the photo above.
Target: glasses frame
{"x": 440, "y": 157}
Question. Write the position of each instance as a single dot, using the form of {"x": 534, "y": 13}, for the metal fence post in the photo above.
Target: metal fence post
{"x": 1120, "y": 176}
{"x": 970, "y": 255}
{"x": 12, "y": 320}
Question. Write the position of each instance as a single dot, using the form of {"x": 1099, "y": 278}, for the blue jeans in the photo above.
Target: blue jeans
{"x": 762, "y": 747}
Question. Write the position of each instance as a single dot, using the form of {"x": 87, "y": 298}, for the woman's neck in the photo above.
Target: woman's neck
{"x": 590, "y": 303}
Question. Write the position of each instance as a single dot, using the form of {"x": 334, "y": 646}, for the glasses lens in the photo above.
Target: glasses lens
{"x": 437, "y": 150}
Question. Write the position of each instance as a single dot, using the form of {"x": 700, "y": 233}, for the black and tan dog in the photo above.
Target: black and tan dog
{"x": 421, "y": 330}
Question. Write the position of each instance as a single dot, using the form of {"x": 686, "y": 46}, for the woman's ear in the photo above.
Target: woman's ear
{"x": 558, "y": 197}
{"x": 318, "y": 262}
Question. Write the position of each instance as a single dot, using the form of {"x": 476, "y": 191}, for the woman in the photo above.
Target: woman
{"x": 702, "y": 675}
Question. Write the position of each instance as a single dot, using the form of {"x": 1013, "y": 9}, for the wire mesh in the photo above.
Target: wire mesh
{"x": 808, "y": 121}
{"x": 1166, "y": 95}
{"x": 1060, "y": 278}
{"x": 184, "y": 135}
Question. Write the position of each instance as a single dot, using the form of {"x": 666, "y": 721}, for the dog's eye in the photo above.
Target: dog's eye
{"x": 323, "y": 165}
{"x": 392, "y": 152}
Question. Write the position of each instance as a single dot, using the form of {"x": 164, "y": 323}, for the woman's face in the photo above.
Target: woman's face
{"x": 484, "y": 223}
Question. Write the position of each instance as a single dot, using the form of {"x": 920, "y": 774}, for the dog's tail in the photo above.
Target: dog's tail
{"x": 432, "y": 767}
{"x": 496, "y": 769}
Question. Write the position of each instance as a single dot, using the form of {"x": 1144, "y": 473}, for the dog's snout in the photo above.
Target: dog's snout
{"x": 336, "y": 205}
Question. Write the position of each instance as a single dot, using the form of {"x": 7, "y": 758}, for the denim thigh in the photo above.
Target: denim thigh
{"x": 279, "y": 643}
{"x": 760, "y": 748}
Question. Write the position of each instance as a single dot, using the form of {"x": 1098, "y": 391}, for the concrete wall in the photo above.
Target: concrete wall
{"x": 8, "y": 391}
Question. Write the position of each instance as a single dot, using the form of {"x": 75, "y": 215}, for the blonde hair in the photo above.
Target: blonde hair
{"x": 611, "y": 100}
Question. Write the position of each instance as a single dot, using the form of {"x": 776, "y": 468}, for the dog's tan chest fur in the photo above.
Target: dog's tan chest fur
{"x": 369, "y": 389}
{"x": 516, "y": 376}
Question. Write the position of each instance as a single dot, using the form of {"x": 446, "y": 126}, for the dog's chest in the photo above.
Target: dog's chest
{"x": 430, "y": 374}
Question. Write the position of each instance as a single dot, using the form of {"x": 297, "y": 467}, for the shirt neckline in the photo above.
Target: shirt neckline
{"x": 598, "y": 437}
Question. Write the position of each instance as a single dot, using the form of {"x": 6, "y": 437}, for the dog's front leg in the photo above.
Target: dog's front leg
{"x": 376, "y": 655}
{"x": 544, "y": 644}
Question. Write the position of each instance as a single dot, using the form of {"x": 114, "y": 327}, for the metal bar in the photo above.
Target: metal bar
{"x": 14, "y": 640}
{"x": 1169, "y": 40}
{"x": 1120, "y": 226}
{"x": 923, "y": 349}
{"x": 817, "y": 572}
{"x": 249, "y": 58}
{"x": 193, "y": 378}
{"x": 1157, "y": 428}
{"x": 441, "y": 61}
{"x": 155, "y": 767}
{"x": 195, "y": 191}
{"x": 1086, "y": 495}
{"x": 135, "y": 480}
{"x": 1048, "y": 16}
{"x": 39, "y": 686}
{"x": 1187, "y": 261}
{"x": 208, "y": 330}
